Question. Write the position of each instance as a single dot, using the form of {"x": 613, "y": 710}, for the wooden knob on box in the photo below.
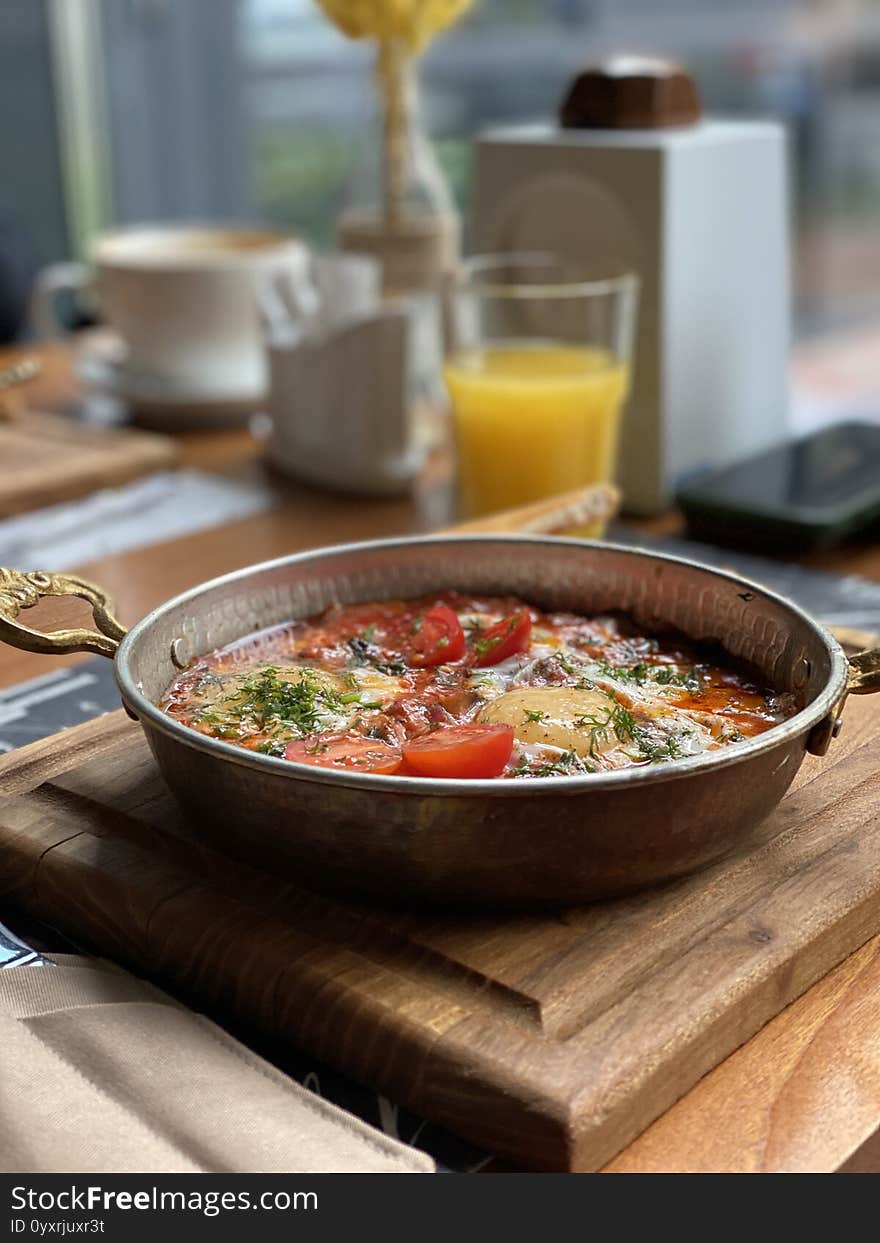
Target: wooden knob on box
{"x": 631, "y": 92}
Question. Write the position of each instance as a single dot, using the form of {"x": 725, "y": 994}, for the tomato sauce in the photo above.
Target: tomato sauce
{"x": 454, "y": 686}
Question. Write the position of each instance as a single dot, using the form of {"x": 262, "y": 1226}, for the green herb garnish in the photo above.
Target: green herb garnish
{"x": 364, "y": 652}
{"x": 272, "y": 746}
{"x": 656, "y": 747}
{"x": 482, "y": 646}
{"x": 361, "y": 649}
{"x": 663, "y": 675}
{"x": 267, "y": 703}
{"x": 619, "y": 720}
{"x": 393, "y": 667}
{"x": 566, "y": 764}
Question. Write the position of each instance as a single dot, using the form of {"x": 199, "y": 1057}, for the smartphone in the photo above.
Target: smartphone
{"x": 800, "y": 495}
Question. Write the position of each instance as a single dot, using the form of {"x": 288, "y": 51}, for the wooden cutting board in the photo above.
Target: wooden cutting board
{"x": 552, "y": 1039}
{"x": 46, "y": 459}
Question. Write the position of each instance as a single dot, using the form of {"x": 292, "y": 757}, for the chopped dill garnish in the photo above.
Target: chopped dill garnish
{"x": 362, "y": 650}
{"x": 267, "y": 703}
{"x": 567, "y": 667}
{"x": 484, "y": 642}
{"x": 564, "y": 765}
{"x": 619, "y": 720}
{"x": 669, "y": 675}
{"x": 206, "y": 677}
{"x": 656, "y": 747}
{"x": 623, "y": 723}
{"x": 272, "y": 746}
{"x": 663, "y": 675}
{"x": 604, "y": 667}
{"x": 393, "y": 667}
{"x": 569, "y": 762}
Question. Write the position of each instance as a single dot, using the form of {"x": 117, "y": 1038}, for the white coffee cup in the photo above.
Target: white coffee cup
{"x": 182, "y": 298}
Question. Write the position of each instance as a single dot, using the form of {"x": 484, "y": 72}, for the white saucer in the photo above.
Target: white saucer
{"x": 379, "y": 477}
{"x": 155, "y": 400}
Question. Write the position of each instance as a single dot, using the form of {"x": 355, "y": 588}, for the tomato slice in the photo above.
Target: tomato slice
{"x": 460, "y": 751}
{"x": 509, "y": 636}
{"x": 351, "y": 751}
{"x": 438, "y": 638}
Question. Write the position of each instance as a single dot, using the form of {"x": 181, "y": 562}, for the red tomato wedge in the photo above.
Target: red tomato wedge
{"x": 437, "y": 639}
{"x": 460, "y": 751}
{"x": 507, "y": 637}
{"x": 353, "y": 751}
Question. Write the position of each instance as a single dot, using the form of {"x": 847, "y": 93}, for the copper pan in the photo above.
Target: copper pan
{"x": 553, "y": 841}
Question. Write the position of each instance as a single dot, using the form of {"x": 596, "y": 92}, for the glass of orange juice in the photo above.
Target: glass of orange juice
{"x": 537, "y": 374}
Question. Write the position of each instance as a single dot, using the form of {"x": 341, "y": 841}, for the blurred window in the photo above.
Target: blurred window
{"x": 31, "y": 198}
{"x": 256, "y": 107}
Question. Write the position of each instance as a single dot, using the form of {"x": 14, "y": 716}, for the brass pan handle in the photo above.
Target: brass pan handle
{"x": 864, "y": 672}
{"x": 863, "y": 679}
{"x": 11, "y": 378}
{"x": 19, "y": 591}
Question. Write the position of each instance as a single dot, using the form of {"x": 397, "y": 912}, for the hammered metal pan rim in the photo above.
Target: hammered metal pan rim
{"x": 143, "y": 707}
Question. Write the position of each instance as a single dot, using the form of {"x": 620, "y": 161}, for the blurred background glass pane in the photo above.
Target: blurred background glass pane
{"x": 813, "y": 63}
{"x": 256, "y": 108}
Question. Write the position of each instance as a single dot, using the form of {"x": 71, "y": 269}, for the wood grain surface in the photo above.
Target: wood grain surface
{"x": 47, "y": 459}
{"x": 802, "y": 1096}
{"x": 554, "y": 1040}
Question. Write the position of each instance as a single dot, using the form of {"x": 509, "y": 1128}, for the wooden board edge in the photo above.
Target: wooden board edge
{"x": 29, "y": 766}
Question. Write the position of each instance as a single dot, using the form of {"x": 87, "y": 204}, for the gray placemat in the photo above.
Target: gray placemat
{"x": 835, "y": 599}
{"x": 163, "y": 506}
{"x": 14, "y": 952}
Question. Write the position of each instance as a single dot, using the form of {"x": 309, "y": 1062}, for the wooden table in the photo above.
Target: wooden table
{"x": 804, "y": 1094}
{"x": 302, "y": 517}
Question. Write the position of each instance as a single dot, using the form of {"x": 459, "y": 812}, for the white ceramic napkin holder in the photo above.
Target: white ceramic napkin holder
{"x": 340, "y": 378}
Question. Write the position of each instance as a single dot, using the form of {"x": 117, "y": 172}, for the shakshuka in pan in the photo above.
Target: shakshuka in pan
{"x": 472, "y": 687}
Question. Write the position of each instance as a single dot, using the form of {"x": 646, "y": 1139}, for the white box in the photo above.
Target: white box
{"x": 701, "y": 212}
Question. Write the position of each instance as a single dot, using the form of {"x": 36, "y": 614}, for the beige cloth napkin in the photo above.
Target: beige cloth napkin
{"x": 102, "y": 1073}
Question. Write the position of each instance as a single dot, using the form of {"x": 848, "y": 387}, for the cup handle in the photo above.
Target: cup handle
{"x": 58, "y": 278}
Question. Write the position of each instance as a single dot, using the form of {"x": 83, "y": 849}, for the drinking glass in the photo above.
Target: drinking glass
{"x": 538, "y": 372}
